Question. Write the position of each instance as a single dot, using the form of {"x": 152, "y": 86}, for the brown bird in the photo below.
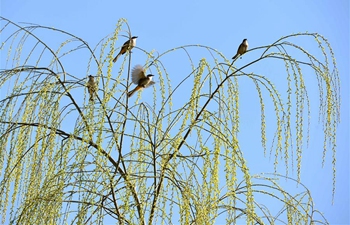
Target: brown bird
{"x": 127, "y": 46}
{"x": 139, "y": 77}
{"x": 91, "y": 86}
{"x": 243, "y": 47}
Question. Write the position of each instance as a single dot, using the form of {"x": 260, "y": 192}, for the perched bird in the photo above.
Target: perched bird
{"x": 91, "y": 86}
{"x": 139, "y": 77}
{"x": 243, "y": 47}
{"x": 127, "y": 46}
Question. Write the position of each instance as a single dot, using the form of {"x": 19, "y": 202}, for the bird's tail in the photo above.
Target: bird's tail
{"x": 116, "y": 58}
{"x": 130, "y": 93}
{"x": 235, "y": 56}
{"x": 91, "y": 93}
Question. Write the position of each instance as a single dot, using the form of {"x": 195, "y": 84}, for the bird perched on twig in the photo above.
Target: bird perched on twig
{"x": 127, "y": 46}
{"x": 243, "y": 47}
{"x": 138, "y": 76}
{"x": 91, "y": 86}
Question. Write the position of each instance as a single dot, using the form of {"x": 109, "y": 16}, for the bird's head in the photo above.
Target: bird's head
{"x": 150, "y": 76}
{"x": 244, "y": 40}
{"x": 90, "y": 76}
{"x": 133, "y": 37}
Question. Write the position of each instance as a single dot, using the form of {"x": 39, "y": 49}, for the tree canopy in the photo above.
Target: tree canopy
{"x": 172, "y": 154}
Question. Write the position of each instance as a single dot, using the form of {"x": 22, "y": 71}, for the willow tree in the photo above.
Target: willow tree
{"x": 167, "y": 158}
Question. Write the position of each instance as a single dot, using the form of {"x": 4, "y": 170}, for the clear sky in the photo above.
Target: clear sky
{"x": 162, "y": 25}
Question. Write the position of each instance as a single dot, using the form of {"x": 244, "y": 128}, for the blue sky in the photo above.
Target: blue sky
{"x": 162, "y": 25}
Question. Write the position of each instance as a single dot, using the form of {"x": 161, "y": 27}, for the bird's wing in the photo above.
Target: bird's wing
{"x": 126, "y": 44}
{"x": 240, "y": 48}
{"x": 149, "y": 84}
{"x": 137, "y": 73}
